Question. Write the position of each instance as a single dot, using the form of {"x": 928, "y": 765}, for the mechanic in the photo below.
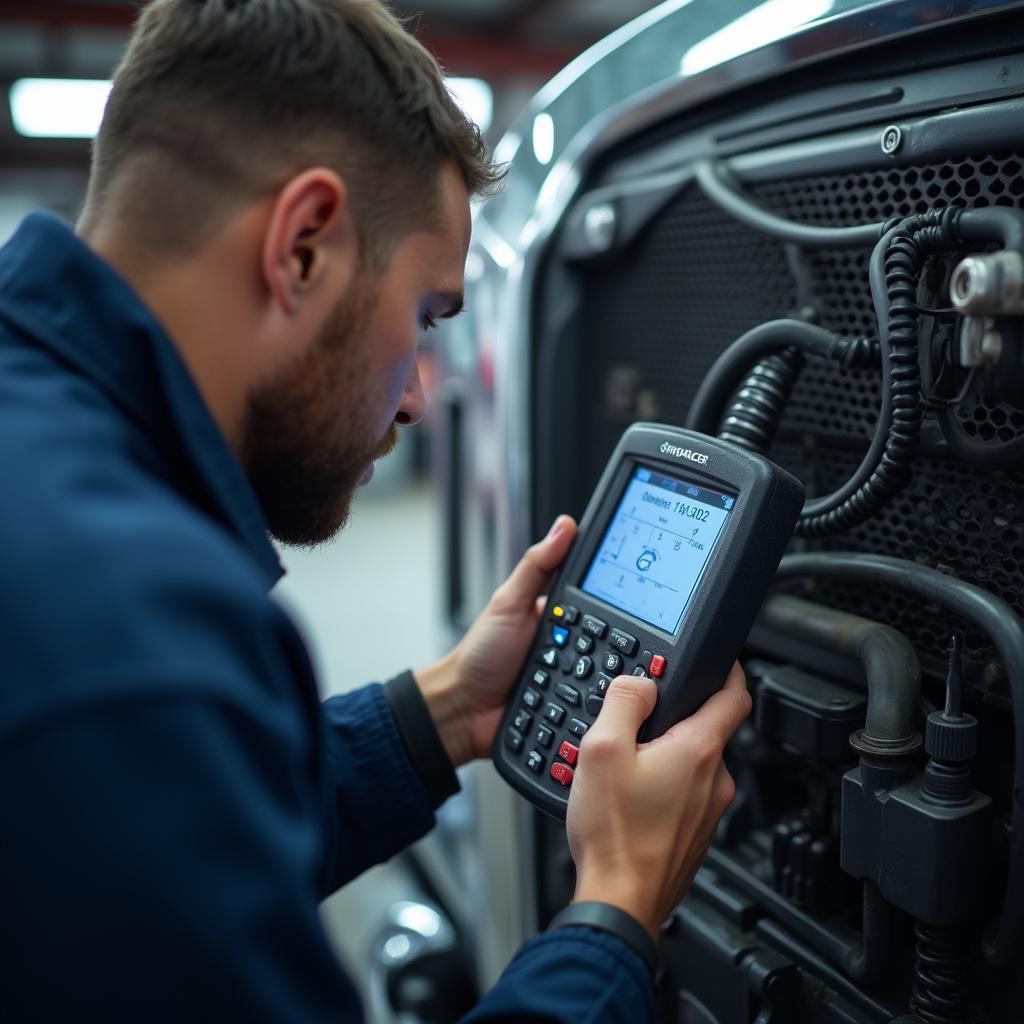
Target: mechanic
{"x": 279, "y": 201}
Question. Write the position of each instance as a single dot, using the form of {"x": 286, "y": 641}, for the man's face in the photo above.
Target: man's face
{"x": 314, "y": 430}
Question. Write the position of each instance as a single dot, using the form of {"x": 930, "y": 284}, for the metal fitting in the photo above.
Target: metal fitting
{"x": 989, "y": 285}
{"x": 892, "y": 139}
{"x": 981, "y": 344}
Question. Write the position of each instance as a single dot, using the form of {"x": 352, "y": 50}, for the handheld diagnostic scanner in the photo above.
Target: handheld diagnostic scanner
{"x": 675, "y": 552}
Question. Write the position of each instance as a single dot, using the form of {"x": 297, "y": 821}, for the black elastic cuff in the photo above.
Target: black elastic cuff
{"x": 606, "y": 918}
{"x": 421, "y": 738}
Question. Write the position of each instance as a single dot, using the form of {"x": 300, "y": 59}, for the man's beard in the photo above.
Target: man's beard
{"x": 305, "y": 445}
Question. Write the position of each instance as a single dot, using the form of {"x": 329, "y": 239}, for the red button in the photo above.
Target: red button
{"x": 657, "y": 665}
{"x": 567, "y": 752}
{"x": 561, "y": 773}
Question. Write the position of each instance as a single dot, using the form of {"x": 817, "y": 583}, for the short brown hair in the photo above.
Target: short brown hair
{"x": 217, "y": 101}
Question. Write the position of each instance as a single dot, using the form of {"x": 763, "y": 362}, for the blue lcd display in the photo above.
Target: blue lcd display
{"x": 657, "y": 546}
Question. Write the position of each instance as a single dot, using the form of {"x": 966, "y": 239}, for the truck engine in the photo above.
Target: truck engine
{"x": 816, "y": 251}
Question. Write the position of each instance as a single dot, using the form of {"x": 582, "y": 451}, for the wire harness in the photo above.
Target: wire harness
{"x": 759, "y": 369}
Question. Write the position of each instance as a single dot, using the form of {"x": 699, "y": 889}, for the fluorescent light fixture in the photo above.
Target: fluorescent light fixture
{"x": 58, "y": 108}
{"x": 763, "y": 25}
{"x": 475, "y": 97}
{"x": 543, "y": 138}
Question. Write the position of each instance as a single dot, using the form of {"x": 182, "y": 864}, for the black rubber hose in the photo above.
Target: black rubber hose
{"x": 993, "y": 616}
{"x": 890, "y": 662}
{"x": 718, "y": 185}
{"x": 728, "y": 371}
{"x": 994, "y": 223}
{"x": 735, "y": 362}
{"x": 754, "y": 415}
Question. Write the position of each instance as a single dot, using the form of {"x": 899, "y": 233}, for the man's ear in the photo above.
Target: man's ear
{"x": 309, "y": 240}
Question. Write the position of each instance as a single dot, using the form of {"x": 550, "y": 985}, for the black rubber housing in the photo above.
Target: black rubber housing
{"x": 719, "y": 617}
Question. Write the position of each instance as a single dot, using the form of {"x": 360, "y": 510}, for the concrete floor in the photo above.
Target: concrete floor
{"x": 369, "y": 606}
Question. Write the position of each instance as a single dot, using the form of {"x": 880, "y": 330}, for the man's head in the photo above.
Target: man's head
{"x": 286, "y": 182}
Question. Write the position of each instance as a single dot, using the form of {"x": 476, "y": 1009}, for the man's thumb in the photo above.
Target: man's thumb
{"x": 628, "y": 703}
{"x": 532, "y": 574}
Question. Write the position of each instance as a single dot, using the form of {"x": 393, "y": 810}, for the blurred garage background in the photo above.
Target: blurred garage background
{"x": 56, "y": 57}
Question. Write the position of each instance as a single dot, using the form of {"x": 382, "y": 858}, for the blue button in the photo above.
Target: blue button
{"x": 559, "y": 635}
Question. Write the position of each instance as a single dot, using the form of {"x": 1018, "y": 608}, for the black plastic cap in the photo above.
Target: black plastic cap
{"x": 954, "y": 740}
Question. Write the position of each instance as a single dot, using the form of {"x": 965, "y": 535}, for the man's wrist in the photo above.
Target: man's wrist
{"x": 439, "y": 686}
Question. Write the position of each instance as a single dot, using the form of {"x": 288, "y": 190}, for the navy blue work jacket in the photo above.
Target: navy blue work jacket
{"x": 174, "y": 799}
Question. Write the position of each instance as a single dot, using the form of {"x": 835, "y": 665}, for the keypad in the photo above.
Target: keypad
{"x": 567, "y": 693}
{"x": 576, "y": 653}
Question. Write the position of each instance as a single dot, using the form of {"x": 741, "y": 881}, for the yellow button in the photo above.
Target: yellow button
{"x": 558, "y": 611}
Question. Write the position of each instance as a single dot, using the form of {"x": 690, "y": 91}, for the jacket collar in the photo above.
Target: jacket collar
{"x": 59, "y": 293}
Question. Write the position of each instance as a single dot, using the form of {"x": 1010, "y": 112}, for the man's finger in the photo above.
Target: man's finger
{"x": 723, "y": 712}
{"x": 531, "y": 575}
{"x": 628, "y": 703}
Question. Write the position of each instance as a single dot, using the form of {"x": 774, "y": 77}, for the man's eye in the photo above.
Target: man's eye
{"x": 427, "y": 322}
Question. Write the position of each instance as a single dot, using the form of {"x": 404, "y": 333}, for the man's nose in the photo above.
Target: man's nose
{"x": 413, "y": 406}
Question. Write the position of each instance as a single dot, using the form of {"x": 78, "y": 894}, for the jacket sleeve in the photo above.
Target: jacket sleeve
{"x": 570, "y": 976}
{"x": 165, "y": 854}
{"x": 376, "y": 804}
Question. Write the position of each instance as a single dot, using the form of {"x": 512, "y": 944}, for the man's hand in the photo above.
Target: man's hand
{"x": 467, "y": 690}
{"x": 642, "y": 816}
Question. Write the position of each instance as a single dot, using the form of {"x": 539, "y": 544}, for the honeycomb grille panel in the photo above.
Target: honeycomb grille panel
{"x": 696, "y": 279}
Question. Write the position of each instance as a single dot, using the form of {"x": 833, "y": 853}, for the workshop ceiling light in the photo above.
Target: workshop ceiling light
{"x": 58, "y": 108}
{"x": 475, "y": 97}
{"x": 543, "y": 138}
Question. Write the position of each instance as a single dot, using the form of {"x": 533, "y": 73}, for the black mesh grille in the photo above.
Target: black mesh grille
{"x": 696, "y": 279}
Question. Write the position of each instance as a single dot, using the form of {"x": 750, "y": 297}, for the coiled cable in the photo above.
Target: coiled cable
{"x": 896, "y": 263}
{"x": 756, "y": 409}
